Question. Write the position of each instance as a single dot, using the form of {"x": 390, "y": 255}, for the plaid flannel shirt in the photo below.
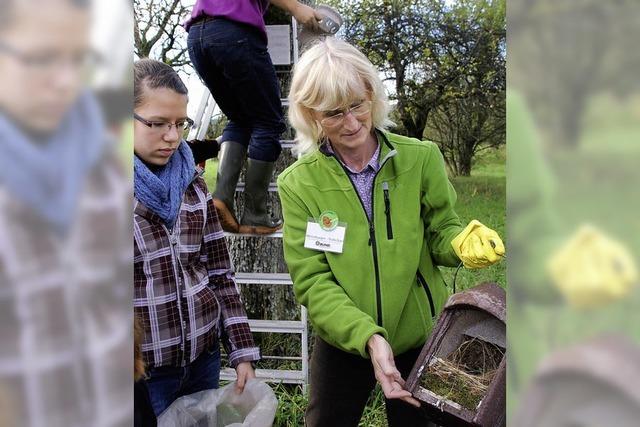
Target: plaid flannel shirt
{"x": 185, "y": 292}
{"x": 65, "y": 308}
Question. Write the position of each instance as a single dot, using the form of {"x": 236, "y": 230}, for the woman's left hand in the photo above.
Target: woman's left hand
{"x": 386, "y": 372}
{"x": 244, "y": 372}
{"x": 478, "y": 246}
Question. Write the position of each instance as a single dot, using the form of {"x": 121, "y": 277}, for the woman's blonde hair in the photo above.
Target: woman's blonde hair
{"x": 331, "y": 75}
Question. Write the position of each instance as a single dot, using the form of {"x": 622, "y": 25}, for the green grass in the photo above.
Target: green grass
{"x": 210, "y": 169}
{"x": 611, "y": 126}
{"x": 491, "y": 162}
{"x": 293, "y": 402}
{"x": 374, "y": 414}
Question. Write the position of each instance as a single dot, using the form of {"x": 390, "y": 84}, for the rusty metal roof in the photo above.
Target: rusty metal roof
{"x": 488, "y": 296}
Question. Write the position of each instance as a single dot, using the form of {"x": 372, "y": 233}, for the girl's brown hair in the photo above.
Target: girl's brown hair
{"x": 138, "y": 363}
{"x": 152, "y": 74}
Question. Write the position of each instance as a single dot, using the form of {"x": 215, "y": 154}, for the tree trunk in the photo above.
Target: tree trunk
{"x": 569, "y": 125}
{"x": 264, "y": 255}
{"x": 413, "y": 125}
{"x": 465, "y": 167}
{"x": 465, "y": 159}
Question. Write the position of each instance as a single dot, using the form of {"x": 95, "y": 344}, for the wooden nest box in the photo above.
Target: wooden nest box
{"x": 460, "y": 374}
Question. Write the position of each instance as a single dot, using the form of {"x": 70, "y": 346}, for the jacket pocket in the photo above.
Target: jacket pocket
{"x": 387, "y": 209}
{"x": 423, "y": 283}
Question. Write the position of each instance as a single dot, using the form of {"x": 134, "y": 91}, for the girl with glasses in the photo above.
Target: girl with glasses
{"x": 185, "y": 293}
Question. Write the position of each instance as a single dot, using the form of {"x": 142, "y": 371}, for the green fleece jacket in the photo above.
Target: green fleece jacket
{"x": 386, "y": 280}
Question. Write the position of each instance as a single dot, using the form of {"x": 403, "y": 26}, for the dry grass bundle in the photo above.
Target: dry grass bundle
{"x": 464, "y": 375}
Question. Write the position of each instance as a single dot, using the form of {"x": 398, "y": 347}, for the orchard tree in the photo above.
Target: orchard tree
{"x": 563, "y": 52}
{"x": 471, "y": 115}
{"x": 158, "y": 31}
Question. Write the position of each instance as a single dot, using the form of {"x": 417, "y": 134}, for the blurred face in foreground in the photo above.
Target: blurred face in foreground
{"x": 44, "y": 55}
{"x": 160, "y": 122}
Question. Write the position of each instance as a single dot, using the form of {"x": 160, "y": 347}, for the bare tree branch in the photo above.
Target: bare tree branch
{"x": 157, "y": 31}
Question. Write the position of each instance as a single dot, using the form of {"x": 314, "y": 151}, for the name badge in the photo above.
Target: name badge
{"x": 325, "y": 234}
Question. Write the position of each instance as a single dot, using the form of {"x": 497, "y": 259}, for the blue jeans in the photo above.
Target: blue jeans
{"x": 167, "y": 383}
{"x": 233, "y": 61}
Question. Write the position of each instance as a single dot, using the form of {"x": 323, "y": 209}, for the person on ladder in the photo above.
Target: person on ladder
{"x": 228, "y": 48}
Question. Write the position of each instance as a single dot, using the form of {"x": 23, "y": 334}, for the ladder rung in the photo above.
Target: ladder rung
{"x": 287, "y": 143}
{"x": 296, "y": 358}
{"x": 276, "y": 326}
{"x": 276, "y": 235}
{"x": 271, "y": 375}
{"x": 272, "y": 186}
{"x": 264, "y": 279}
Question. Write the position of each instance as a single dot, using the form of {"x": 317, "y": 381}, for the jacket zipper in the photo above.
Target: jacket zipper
{"x": 423, "y": 282}
{"x": 387, "y": 209}
{"x": 372, "y": 234}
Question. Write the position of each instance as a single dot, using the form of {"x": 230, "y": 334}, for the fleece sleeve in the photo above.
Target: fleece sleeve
{"x": 438, "y": 201}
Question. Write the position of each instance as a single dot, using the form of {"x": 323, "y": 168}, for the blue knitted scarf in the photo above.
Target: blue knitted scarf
{"x": 48, "y": 176}
{"x": 162, "y": 190}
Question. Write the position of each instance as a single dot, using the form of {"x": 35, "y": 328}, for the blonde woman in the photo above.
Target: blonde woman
{"x": 368, "y": 218}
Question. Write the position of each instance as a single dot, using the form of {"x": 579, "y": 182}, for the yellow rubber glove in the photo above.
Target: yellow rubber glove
{"x": 478, "y": 246}
{"x": 592, "y": 269}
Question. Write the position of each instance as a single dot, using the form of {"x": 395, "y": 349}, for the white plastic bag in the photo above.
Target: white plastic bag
{"x": 223, "y": 407}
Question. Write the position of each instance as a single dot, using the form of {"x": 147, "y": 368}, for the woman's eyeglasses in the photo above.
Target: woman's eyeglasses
{"x": 357, "y": 110}
{"x": 163, "y": 126}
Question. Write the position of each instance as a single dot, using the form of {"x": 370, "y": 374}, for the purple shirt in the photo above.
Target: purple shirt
{"x": 363, "y": 180}
{"x": 249, "y": 12}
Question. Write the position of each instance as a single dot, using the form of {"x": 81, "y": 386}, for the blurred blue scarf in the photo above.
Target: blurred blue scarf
{"x": 162, "y": 190}
{"x": 48, "y": 176}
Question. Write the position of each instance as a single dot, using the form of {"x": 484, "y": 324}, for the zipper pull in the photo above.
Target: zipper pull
{"x": 387, "y": 209}
{"x": 385, "y": 189}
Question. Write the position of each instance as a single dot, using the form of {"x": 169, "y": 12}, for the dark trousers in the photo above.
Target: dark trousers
{"x": 233, "y": 61}
{"x": 143, "y": 415}
{"x": 168, "y": 383}
{"x": 341, "y": 384}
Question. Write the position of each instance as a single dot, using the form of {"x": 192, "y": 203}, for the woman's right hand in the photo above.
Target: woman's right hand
{"x": 386, "y": 372}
